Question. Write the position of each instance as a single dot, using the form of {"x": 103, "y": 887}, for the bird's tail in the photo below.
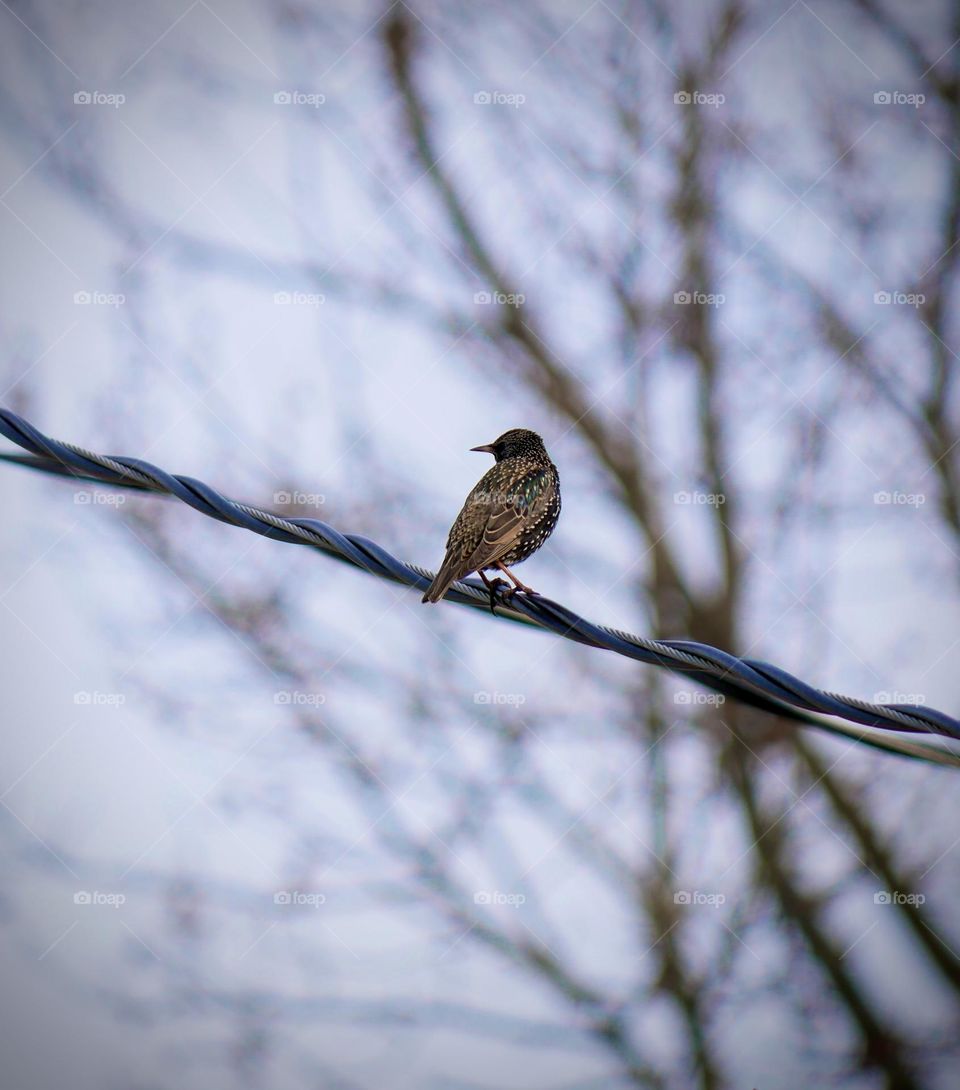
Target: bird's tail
{"x": 449, "y": 573}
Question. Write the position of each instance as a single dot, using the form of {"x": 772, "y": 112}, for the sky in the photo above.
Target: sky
{"x": 162, "y": 235}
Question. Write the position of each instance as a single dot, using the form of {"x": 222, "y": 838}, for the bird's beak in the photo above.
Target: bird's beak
{"x": 488, "y": 449}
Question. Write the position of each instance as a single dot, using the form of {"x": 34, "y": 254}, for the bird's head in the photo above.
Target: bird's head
{"x": 516, "y": 443}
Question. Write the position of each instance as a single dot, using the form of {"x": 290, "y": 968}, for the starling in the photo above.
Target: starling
{"x": 509, "y": 514}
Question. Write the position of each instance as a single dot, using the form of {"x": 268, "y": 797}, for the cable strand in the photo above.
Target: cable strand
{"x": 751, "y": 681}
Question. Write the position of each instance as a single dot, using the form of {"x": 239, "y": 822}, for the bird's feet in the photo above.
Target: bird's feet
{"x": 524, "y": 589}
{"x": 507, "y": 591}
{"x": 495, "y": 586}
{"x": 512, "y": 591}
{"x": 517, "y": 585}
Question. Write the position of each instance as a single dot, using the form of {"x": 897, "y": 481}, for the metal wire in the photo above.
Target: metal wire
{"x": 751, "y": 681}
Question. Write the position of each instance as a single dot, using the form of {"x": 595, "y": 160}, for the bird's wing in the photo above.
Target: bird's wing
{"x": 508, "y": 513}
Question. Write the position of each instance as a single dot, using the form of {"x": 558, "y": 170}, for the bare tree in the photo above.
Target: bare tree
{"x": 738, "y": 339}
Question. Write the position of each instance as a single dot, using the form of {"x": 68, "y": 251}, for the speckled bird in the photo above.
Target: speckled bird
{"x": 509, "y": 514}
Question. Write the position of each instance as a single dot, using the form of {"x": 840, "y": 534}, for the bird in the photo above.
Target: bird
{"x": 510, "y": 513}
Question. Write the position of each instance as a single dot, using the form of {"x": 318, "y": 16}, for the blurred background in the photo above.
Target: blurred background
{"x": 267, "y": 822}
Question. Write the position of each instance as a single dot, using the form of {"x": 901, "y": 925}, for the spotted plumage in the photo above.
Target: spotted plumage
{"x": 509, "y": 514}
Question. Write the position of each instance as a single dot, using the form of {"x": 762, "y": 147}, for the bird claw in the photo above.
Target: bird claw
{"x": 494, "y": 587}
{"x": 506, "y": 591}
{"x": 511, "y": 592}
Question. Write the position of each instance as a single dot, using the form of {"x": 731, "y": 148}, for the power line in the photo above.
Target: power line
{"x": 750, "y": 681}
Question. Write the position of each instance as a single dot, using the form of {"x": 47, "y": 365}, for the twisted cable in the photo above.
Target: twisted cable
{"x": 750, "y": 681}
